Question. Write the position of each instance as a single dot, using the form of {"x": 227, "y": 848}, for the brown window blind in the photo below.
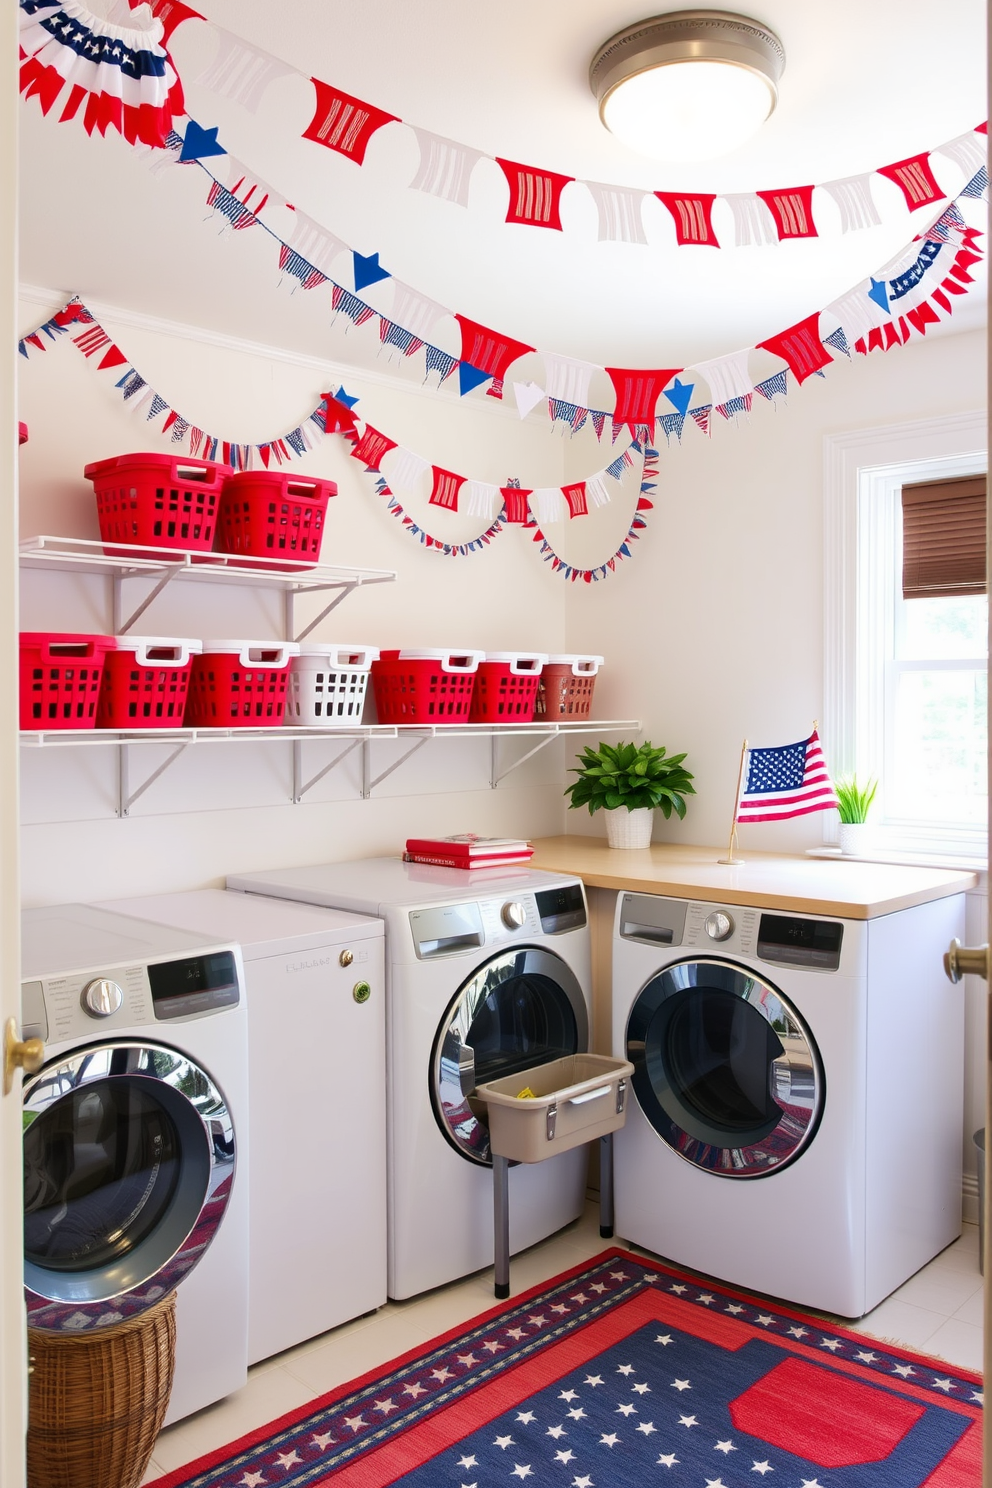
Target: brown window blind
{"x": 943, "y": 538}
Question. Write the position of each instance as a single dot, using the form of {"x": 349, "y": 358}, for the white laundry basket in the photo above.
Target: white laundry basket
{"x": 327, "y": 684}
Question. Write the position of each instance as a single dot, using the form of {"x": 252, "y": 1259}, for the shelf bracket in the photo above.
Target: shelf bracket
{"x": 300, "y": 788}
{"x": 369, "y": 783}
{"x": 496, "y": 775}
{"x": 122, "y": 626}
{"x": 290, "y": 611}
{"x": 125, "y": 796}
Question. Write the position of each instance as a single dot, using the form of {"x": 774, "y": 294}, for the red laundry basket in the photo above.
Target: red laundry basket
{"x": 157, "y": 501}
{"x": 239, "y": 684}
{"x": 506, "y": 687}
{"x": 567, "y": 684}
{"x": 145, "y": 682}
{"x": 60, "y": 678}
{"x": 264, "y": 514}
{"x": 425, "y": 686}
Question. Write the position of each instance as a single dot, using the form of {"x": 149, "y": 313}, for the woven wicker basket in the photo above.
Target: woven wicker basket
{"x": 97, "y": 1401}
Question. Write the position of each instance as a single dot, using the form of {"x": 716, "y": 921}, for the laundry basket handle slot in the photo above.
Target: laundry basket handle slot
{"x": 590, "y": 1095}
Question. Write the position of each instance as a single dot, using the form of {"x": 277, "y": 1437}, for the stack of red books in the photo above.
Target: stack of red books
{"x": 468, "y": 851}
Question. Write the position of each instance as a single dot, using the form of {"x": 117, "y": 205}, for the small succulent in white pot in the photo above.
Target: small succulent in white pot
{"x": 854, "y": 802}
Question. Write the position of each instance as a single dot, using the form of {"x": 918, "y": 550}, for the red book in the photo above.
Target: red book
{"x": 468, "y": 848}
{"x": 467, "y": 865}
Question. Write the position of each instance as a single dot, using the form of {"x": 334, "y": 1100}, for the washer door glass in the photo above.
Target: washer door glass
{"x": 522, "y": 1008}
{"x": 725, "y": 1069}
{"x": 128, "y": 1159}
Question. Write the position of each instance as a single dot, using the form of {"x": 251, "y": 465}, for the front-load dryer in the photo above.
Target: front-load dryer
{"x": 314, "y": 982}
{"x": 796, "y": 1127}
{"x": 135, "y": 1136}
{"x": 487, "y": 974}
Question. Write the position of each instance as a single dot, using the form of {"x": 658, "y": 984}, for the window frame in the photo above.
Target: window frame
{"x": 863, "y": 474}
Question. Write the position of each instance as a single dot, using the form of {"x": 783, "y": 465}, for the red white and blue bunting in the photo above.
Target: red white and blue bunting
{"x": 118, "y": 77}
{"x": 346, "y": 125}
{"x": 913, "y": 291}
{"x": 501, "y": 507}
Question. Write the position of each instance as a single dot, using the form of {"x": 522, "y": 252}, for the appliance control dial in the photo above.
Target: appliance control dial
{"x": 718, "y": 926}
{"x": 102, "y": 998}
{"x": 513, "y": 915}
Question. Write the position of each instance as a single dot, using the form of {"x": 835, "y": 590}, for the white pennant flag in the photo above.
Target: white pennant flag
{"x": 549, "y": 505}
{"x": 568, "y": 379}
{"x": 855, "y": 202}
{"x": 445, "y": 167}
{"x": 597, "y": 491}
{"x": 415, "y": 312}
{"x": 969, "y": 151}
{"x": 754, "y": 224}
{"x": 619, "y": 212}
{"x": 249, "y": 188}
{"x": 241, "y": 72}
{"x": 727, "y": 376}
{"x": 482, "y": 499}
{"x": 528, "y": 395}
{"x": 404, "y": 470}
{"x": 314, "y": 243}
{"x": 857, "y": 313}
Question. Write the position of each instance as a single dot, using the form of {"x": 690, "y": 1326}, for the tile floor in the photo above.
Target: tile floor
{"x": 938, "y": 1311}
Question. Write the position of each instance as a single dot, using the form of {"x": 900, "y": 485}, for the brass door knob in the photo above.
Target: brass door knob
{"x": 961, "y": 961}
{"x": 25, "y": 1054}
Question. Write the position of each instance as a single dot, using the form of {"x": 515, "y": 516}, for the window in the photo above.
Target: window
{"x": 905, "y": 677}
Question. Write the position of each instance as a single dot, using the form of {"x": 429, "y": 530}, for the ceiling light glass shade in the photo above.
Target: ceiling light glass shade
{"x": 688, "y": 86}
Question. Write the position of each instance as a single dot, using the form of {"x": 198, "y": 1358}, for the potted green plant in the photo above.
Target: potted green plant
{"x": 853, "y": 804}
{"x": 628, "y": 781}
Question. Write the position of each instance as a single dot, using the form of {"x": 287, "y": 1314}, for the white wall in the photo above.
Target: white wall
{"x": 226, "y": 807}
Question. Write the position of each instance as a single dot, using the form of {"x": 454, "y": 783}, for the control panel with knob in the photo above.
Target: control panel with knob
{"x": 718, "y": 926}
{"x": 513, "y": 914}
{"x": 102, "y": 998}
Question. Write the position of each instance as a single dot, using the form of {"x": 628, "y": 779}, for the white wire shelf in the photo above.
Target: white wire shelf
{"x": 85, "y": 555}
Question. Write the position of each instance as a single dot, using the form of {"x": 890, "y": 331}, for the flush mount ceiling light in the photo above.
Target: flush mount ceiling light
{"x": 689, "y": 85}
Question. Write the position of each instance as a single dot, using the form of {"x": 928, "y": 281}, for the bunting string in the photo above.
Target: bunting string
{"x": 242, "y": 72}
{"x": 910, "y": 293}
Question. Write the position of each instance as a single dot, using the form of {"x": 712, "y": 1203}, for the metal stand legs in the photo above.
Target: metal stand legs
{"x": 501, "y": 1221}
{"x": 501, "y": 1211}
{"x": 606, "y": 1186}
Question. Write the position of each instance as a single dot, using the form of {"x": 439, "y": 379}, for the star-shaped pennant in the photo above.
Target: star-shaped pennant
{"x": 368, "y": 271}
{"x": 199, "y": 143}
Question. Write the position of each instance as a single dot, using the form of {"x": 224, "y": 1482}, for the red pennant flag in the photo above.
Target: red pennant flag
{"x": 517, "y": 509}
{"x": 112, "y": 358}
{"x": 373, "y": 448}
{"x": 638, "y": 392}
{"x": 535, "y": 195}
{"x": 792, "y": 210}
{"x": 338, "y": 417}
{"x": 691, "y": 215}
{"x": 578, "y": 505}
{"x": 344, "y": 123}
{"x": 446, "y": 487}
{"x": 487, "y": 350}
{"x": 801, "y": 347}
{"x": 915, "y": 180}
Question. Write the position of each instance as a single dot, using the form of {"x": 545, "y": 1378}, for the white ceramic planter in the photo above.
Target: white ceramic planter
{"x": 854, "y": 838}
{"x": 626, "y": 828}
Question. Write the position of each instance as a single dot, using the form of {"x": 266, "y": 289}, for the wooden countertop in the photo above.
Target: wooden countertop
{"x": 852, "y": 890}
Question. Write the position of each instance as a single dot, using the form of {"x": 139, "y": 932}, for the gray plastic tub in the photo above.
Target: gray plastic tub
{"x": 575, "y": 1099}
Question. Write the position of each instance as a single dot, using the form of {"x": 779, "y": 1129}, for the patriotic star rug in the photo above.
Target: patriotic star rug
{"x": 619, "y": 1374}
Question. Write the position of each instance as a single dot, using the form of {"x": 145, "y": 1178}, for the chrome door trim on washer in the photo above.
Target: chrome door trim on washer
{"x": 725, "y": 1068}
{"x": 453, "y": 1074}
{"x": 131, "y": 1147}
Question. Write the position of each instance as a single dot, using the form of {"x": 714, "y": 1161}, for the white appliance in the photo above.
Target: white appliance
{"x": 487, "y": 973}
{"x": 135, "y": 1142}
{"x": 796, "y": 1127}
{"x": 314, "y": 981}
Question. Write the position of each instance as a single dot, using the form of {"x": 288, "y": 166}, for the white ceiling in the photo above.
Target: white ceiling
{"x": 866, "y": 82}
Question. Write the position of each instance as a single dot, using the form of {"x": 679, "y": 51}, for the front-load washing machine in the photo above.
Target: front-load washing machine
{"x": 135, "y": 1136}
{"x": 314, "y": 982}
{"x": 796, "y": 1127}
{"x": 487, "y": 974}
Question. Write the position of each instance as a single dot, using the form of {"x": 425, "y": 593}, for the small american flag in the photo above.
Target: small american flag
{"x": 789, "y": 781}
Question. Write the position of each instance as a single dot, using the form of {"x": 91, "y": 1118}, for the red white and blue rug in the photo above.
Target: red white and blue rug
{"x": 620, "y": 1374}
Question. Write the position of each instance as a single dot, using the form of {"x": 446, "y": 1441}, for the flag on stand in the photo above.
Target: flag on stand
{"x": 789, "y": 781}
